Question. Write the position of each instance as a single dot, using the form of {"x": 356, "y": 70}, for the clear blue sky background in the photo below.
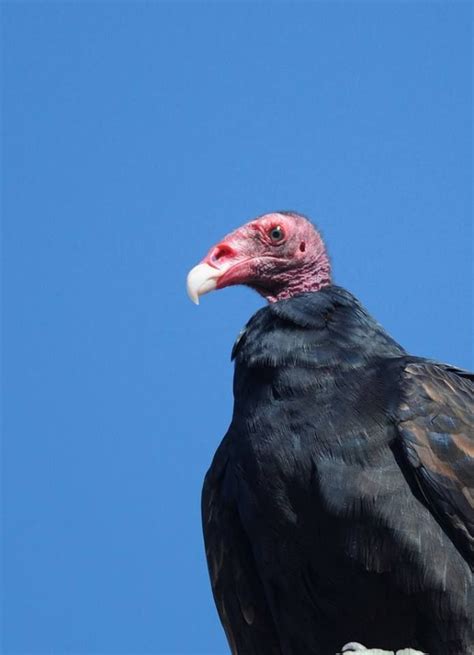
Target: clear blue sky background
{"x": 134, "y": 136}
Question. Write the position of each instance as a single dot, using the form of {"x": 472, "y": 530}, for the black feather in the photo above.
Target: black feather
{"x": 337, "y": 508}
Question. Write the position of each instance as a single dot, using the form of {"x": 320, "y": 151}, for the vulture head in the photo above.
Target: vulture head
{"x": 280, "y": 255}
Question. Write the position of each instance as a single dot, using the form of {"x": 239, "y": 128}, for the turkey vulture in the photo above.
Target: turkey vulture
{"x": 339, "y": 506}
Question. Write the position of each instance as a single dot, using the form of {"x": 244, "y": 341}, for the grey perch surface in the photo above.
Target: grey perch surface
{"x": 378, "y": 651}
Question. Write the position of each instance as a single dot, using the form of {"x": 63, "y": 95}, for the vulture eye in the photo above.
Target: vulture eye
{"x": 276, "y": 233}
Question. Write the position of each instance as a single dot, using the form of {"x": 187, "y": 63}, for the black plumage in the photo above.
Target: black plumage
{"x": 339, "y": 505}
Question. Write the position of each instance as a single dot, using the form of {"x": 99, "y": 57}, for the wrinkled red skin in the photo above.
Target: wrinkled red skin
{"x": 295, "y": 264}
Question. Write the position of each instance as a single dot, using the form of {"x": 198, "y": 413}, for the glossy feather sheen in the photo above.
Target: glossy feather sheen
{"x": 339, "y": 505}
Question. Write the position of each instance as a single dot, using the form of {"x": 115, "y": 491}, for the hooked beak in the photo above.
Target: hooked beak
{"x": 202, "y": 279}
{"x": 221, "y": 267}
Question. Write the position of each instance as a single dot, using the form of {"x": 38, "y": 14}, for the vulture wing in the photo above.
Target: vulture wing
{"x": 436, "y": 423}
{"x": 236, "y": 585}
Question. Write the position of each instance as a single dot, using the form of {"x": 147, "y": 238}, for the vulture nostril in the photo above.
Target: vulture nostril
{"x": 220, "y": 252}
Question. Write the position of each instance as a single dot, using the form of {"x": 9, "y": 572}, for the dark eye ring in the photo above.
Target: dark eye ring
{"x": 276, "y": 233}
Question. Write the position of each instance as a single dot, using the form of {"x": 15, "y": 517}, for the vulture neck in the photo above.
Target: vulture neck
{"x": 311, "y": 276}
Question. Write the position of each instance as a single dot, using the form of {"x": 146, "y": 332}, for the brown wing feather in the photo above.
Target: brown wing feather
{"x": 237, "y": 588}
{"x": 436, "y": 422}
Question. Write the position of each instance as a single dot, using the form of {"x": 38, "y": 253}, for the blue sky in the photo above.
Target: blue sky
{"x": 134, "y": 136}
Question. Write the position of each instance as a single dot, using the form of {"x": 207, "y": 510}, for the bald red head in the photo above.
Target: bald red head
{"x": 280, "y": 255}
